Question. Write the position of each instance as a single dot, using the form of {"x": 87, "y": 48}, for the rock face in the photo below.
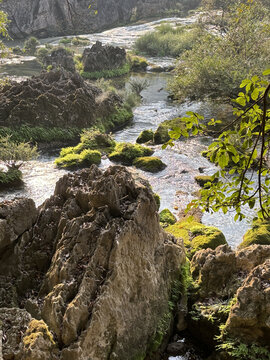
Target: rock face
{"x": 60, "y": 58}
{"x": 233, "y": 289}
{"x": 107, "y": 57}
{"x": 44, "y": 18}
{"x": 54, "y": 98}
{"x": 96, "y": 267}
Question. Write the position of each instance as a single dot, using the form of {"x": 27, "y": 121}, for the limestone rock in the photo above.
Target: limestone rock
{"x": 44, "y": 18}
{"x": 54, "y": 98}
{"x": 107, "y": 57}
{"x": 60, "y": 58}
{"x": 97, "y": 265}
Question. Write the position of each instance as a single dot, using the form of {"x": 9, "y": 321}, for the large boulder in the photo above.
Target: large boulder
{"x": 107, "y": 57}
{"x": 54, "y": 98}
{"x": 60, "y": 58}
{"x": 101, "y": 272}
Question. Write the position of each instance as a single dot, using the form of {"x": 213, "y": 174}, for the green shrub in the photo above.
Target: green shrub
{"x": 167, "y": 218}
{"x": 30, "y": 45}
{"x": 126, "y": 153}
{"x": 65, "y": 41}
{"x": 106, "y": 74}
{"x": 258, "y": 234}
{"x": 150, "y": 164}
{"x": 41, "y": 54}
{"x": 145, "y": 136}
{"x": 10, "y": 178}
{"x": 17, "y": 50}
{"x": 80, "y": 41}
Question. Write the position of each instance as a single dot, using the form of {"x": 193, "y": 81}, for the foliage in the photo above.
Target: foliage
{"x": 241, "y": 351}
{"x": 216, "y": 65}
{"x": 234, "y": 184}
{"x": 13, "y": 154}
{"x": 150, "y": 164}
{"x": 106, "y": 74}
{"x": 30, "y": 45}
{"x": 166, "y": 218}
{"x": 126, "y": 153}
{"x": 40, "y": 134}
{"x": 138, "y": 85}
{"x": 167, "y": 40}
{"x": 3, "y": 31}
{"x": 145, "y": 136}
{"x": 10, "y": 178}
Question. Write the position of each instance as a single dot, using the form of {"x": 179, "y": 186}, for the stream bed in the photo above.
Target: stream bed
{"x": 175, "y": 184}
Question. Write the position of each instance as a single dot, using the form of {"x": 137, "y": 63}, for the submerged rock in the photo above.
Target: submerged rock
{"x": 98, "y": 267}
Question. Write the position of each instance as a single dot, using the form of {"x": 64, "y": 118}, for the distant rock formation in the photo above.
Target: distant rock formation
{"x": 94, "y": 277}
{"x": 54, "y": 98}
{"x": 60, "y": 58}
{"x": 44, "y": 18}
{"x": 107, "y": 57}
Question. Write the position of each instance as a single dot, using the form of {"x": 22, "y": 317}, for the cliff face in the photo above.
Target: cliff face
{"x": 44, "y": 18}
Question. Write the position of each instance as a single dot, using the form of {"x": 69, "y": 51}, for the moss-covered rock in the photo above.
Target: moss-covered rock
{"x": 161, "y": 135}
{"x": 84, "y": 159}
{"x": 157, "y": 200}
{"x": 10, "y": 178}
{"x": 258, "y": 234}
{"x": 197, "y": 236}
{"x": 145, "y": 136}
{"x": 167, "y": 218}
{"x": 202, "y": 180}
{"x": 137, "y": 63}
{"x": 126, "y": 153}
{"x": 150, "y": 164}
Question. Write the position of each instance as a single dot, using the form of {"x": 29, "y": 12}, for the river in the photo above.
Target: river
{"x": 175, "y": 184}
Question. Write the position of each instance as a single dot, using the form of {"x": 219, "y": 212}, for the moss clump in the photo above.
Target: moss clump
{"x": 137, "y": 63}
{"x": 37, "y": 328}
{"x": 84, "y": 159}
{"x": 258, "y": 234}
{"x": 203, "y": 180}
{"x": 126, "y": 153}
{"x": 167, "y": 218}
{"x": 10, "y": 178}
{"x": 197, "y": 236}
{"x": 145, "y": 136}
{"x": 150, "y": 164}
{"x": 157, "y": 200}
{"x": 161, "y": 135}
{"x": 106, "y": 74}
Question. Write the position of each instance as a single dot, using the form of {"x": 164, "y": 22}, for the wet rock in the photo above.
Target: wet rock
{"x": 98, "y": 266}
{"x": 54, "y": 98}
{"x": 107, "y": 57}
{"x": 177, "y": 348}
{"x": 60, "y": 58}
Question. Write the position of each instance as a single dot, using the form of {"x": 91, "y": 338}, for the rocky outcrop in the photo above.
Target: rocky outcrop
{"x": 60, "y": 58}
{"x": 44, "y": 18}
{"x": 54, "y": 98}
{"x": 107, "y": 57}
{"x": 96, "y": 267}
{"x": 232, "y": 290}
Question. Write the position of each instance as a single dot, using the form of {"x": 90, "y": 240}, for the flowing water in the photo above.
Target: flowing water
{"x": 175, "y": 184}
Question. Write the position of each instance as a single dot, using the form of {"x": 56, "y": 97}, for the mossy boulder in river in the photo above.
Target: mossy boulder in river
{"x": 126, "y": 153}
{"x": 197, "y": 236}
{"x": 202, "y": 180}
{"x": 150, "y": 164}
{"x": 84, "y": 159}
{"x": 161, "y": 135}
{"x": 10, "y": 178}
{"x": 258, "y": 234}
{"x": 145, "y": 136}
{"x": 166, "y": 218}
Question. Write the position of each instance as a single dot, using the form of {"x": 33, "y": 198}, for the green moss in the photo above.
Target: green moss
{"x": 84, "y": 159}
{"x": 202, "y": 180}
{"x": 167, "y": 218}
{"x": 137, "y": 63}
{"x": 258, "y": 234}
{"x": 197, "y": 236}
{"x": 145, "y": 136}
{"x": 65, "y": 41}
{"x": 157, "y": 200}
{"x": 106, "y": 74}
{"x": 37, "y": 328}
{"x": 161, "y": 135}
{"x": 126, "y": 153}
{"x": 10, "y": 178}
{"x": 150, "y": 164}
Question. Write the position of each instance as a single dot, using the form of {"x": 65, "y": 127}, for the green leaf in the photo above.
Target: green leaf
{"x": 266, "y": 72}
{"x": 255, "y": 94}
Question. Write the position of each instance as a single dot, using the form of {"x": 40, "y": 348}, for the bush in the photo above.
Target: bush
{"x": 138, "y": 85}
{"x": 167, "y": 218}
{"x": 145, "y": 136}
{"x": 30, "y": 45}
{"x": 126, "y": 153}
{"x": 150, "y": 164}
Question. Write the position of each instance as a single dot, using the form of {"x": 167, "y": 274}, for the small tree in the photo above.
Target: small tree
{"x": 13, "y": 155}
{"x": 30, "y": 45}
